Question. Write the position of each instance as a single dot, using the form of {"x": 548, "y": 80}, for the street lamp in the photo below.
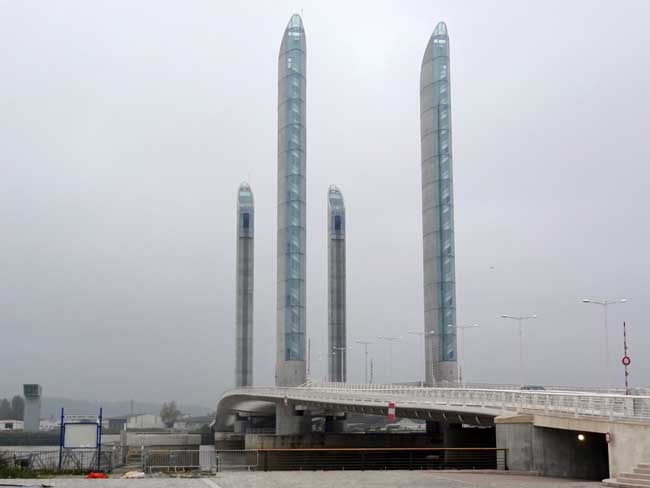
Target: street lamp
{"x": 365, "y": 354}
{"x": 424, "y": 336}
{"x": 390, "y": 341}
{"x": 604, "y": 303}
{"x": 462, "y": 349}
{"x": 340, "y": 353}
{"x": 520, "y": 319}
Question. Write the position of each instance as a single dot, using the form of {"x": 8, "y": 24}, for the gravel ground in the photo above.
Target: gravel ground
{"x": 322, "y": 479}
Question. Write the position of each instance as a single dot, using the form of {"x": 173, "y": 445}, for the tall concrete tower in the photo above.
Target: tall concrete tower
{"x": 245, "y": 276}
{"x": 438, "y": 211}
{"x": 291, "y": 328}
{"x": 336, "y": 285}
{"x": 32, "y": 414}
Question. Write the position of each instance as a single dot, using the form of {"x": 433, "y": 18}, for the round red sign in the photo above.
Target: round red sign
{"x": 626, "y": 360}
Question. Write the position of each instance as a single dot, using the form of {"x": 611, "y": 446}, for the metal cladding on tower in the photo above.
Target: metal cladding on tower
{"x": 438, "y": 210}
{"x": 336, "y": 285}
{"x": 291, "y": 271}
{"x": 245, "y": 273}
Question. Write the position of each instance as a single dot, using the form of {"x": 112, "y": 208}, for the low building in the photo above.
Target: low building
{"x": 193, "y": 424}
{"x": 144, "y": 421}
{"x": 117, "y": 423}
{"x": 50, "y": 424}
{"x": 134, "y": 422}
{"x": 11, "y": 425}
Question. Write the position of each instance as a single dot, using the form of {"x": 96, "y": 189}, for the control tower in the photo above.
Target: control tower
{"x": 32, "y": 417}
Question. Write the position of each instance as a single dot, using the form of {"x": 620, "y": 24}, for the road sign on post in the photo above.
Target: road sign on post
{"x": 626, "y": 359}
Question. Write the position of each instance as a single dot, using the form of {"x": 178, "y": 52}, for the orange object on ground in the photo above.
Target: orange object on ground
{"x": 96, "y": 475}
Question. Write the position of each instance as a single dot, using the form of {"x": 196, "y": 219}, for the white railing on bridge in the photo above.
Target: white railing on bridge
{"x": 490, "y": 401}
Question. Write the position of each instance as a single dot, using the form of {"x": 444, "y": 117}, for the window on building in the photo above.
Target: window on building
{"x": 246, "y": 222}
{"x": 337, "y": 222}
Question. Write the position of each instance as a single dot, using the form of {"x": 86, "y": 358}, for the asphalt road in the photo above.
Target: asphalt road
{"x": 322, "y": 479}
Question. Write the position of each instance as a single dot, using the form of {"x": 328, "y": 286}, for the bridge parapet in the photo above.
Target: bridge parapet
{"x": 480, "y": 401}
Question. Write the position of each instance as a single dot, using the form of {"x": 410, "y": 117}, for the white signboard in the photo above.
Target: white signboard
{"x": 80, "y": 436}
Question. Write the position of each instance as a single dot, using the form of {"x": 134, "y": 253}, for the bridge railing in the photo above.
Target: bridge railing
{"x": 566, "y": 403}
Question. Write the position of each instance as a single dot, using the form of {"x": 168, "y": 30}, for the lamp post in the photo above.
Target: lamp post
{"x": 365, "y": 358}
{"x": 390, "y": 341}
{"x": 462, "y": 349}
{"x": 340, "y": 353}
{"x": 520, "y": 319}
{"x": 424, "y": 336}
{"x": 604, "y": 303}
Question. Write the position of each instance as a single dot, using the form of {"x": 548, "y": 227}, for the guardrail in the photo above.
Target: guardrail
{"x": 477, "y": 400}
{"x": 172, "y": 459}
{"x": 362, "y": 459}
{"x": 327, "y": 459}
{"x": 237, "y": 460}
{"x": 205, "y": 460}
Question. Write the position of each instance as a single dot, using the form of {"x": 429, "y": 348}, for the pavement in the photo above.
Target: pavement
{"x": 320, "y": 479}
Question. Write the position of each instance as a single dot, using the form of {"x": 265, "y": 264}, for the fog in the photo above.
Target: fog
{"x": 126, "y": 128}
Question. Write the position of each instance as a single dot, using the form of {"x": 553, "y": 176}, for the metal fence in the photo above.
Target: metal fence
{"x": 326, "y": 459}
{"x": 361, "y": 459}
{"x": 237, "y": 460}
{"x": 204, "y": 460}
{"x": 171, "y": 460}
{"x": 66, "y": 460}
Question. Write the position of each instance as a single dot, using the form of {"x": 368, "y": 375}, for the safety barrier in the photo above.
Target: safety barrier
{"x": 205, "y": 460}
{"x": 361, "y": 459}
{"x": 168, "y": 460}
{"x": 477, "y": 400}
{"x": 329, "y": 459}
{"x": 237, "y": 460}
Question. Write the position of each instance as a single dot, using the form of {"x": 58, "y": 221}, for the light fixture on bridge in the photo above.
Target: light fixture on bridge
{"x": 605, "y": 303}
{"x": 581, "y": 437}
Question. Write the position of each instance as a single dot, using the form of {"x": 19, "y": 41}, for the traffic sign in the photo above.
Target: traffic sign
{"x": 626, "y": 360}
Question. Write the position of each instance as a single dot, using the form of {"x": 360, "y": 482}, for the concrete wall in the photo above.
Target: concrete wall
{"x": 136, "y": 439}
{"x": 320, "y": 440}
{"x": 552, "y": 452}
{"x": 629, "y": 446}
{"x": 244, "y": 286}
{"x": 630, "y": 442}
{"x": 228, "y": 441}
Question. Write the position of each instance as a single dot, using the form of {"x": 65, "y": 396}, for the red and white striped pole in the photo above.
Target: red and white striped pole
{"x": 391, "y": 411}
{"x": 626, "y": 359}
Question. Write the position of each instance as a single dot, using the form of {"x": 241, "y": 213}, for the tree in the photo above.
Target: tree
{"x": 169, "y": 413}
{"x": 18, "y": 407}
{"x": 5, "y": 410}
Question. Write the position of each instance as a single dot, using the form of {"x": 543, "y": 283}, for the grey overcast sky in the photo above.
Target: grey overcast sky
{"x": 126, "y": 127}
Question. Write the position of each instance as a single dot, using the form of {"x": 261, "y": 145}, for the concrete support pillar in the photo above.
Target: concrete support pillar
{"x": 551, "y": 451}
{"x": 289, "y": 421}
{"x": 517, "y": 438}
{"x": 434, "y": 427}
{"x": 241, "y": 425}
{"x": 334, "y": 424}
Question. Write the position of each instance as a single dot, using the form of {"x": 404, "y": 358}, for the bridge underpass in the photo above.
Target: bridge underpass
{"x": 538, "y": 428}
